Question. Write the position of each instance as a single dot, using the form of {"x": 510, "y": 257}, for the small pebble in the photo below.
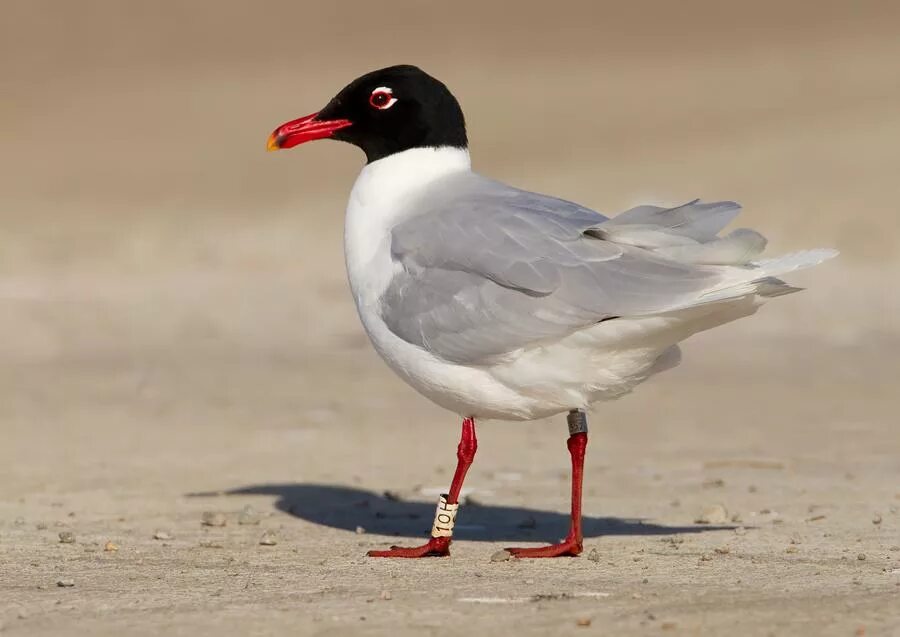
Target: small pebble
{"x": 715, "y": 483}
{"x": 211, "y": 544}
{"x": 876, "y": 519}
{"x": 723, "y": 550}
{"x": 386, "y": 595}
{"x": 66, "y": 537}
{"x": 668, "y": 625}
{"x": 162, "y": 535}
{"x": 594, "y": 555}
{"x": 716, "y": 514}
{"x": 268, "y": 539}
{"x": 791, "y": 549}
{"x": 65, "y": 583}
{"x": 248, "y": 515}
{"x": 861, "y": 557}
{"x": 706, "y": 557}
{"x": 501, "y": 556}
{"x": 213, "y": 518}
{"x": 41, "y": 526}
{"x": 110, "y": 547}
{"x": 360, "y": 530}
{"x": 583, "y": 621}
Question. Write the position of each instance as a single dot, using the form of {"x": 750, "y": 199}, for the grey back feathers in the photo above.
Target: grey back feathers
{"x": 488, "y": 269}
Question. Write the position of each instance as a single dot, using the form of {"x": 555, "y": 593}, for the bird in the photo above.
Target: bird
{"x": 499, "y": 303}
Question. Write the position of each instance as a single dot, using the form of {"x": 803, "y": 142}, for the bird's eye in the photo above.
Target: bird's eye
{"x": 382, "y": 98}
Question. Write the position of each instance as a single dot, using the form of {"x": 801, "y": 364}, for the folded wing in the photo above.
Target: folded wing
{"x": 488, "y": 269}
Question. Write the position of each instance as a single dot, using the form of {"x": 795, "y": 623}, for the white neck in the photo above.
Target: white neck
{"x": 379, "y": 200}
{"x": 398, "y": 176}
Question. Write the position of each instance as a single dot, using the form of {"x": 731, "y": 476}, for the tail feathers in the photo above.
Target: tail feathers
{"x": 763, "y": 275}
{"x": 689, "y": 234}
{"x": 793, "y": 261}
{"x": 771, "y": 287}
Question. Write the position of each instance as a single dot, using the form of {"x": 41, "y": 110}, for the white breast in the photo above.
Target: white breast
{"x": 379, "y": 200}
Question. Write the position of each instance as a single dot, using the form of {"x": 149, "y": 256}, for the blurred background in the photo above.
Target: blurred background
{"x": 144, "y": 227}
{"x": 174, "y": 315}
{"x": 146, "y": 233}
{"x": 137, "y": 194}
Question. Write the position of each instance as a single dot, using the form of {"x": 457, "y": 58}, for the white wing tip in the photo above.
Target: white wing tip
{"x": 794, "y": 261}
{"x": 763, "y": 275}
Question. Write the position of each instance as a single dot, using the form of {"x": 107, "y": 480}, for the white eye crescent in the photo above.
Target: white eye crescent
{"x": 382, "y": 98}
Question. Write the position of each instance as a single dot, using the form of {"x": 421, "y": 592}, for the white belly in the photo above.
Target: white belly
{"x": 599, "y": 363}
{"x": 371, "y": 212}
{"x": 531, "y": 383}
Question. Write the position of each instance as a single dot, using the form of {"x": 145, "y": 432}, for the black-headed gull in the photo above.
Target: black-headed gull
{"x": 496, "y": 302}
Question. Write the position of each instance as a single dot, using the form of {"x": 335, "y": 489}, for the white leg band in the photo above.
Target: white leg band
{"x": 444, "y": 518}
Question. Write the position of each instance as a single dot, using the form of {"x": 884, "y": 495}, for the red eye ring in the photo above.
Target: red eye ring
{"x": 382, "y": 98}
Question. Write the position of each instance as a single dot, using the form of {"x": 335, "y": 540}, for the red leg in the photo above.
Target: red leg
{"x": 572, "y": 545}
{"x": 440, "y": 546}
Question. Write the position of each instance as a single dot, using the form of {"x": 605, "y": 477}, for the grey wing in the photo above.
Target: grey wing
{"x": 488, "y": 269}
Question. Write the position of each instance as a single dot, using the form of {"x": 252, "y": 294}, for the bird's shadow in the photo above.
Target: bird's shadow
{"x": 348, "y": 508}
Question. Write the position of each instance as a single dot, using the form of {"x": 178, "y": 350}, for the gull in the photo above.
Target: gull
{"x": 499, "y": 303}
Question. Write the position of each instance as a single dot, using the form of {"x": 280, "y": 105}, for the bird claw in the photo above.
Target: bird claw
{"x": 566, "y": 548}
{"x": 435, "y": 547}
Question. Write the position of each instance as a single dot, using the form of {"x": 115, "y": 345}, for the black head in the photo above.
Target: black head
{"x": 383, "y": 112}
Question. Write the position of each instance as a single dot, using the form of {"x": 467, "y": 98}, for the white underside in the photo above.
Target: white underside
{"x": 601, "y": 362}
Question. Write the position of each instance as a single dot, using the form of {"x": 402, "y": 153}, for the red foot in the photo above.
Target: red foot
{"x": 566, "y": 548}
{"x": 436, "y": 547}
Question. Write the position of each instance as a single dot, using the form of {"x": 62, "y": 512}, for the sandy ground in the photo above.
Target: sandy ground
{"x": 178, "y": 338}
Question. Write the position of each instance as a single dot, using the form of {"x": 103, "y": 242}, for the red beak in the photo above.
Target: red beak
{"x": 304, "y": 129}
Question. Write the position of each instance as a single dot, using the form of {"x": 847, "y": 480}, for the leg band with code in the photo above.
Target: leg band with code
{"x": 444, "y": 518}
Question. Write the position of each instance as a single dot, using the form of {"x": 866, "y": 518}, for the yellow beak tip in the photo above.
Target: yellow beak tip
{"x": 272, "y": 143}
